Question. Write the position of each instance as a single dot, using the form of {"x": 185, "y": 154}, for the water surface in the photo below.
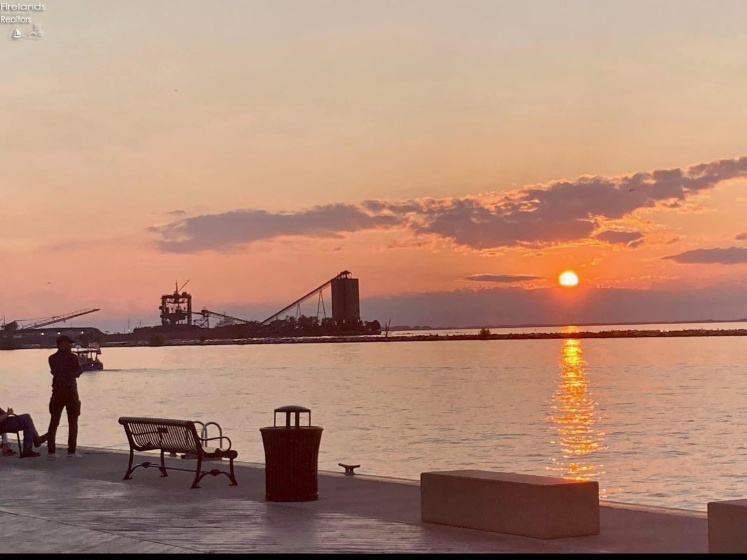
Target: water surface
{"x": 657, "y": 421}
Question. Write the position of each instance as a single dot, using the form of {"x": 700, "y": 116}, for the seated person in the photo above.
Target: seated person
{"x": 10, "y": 422}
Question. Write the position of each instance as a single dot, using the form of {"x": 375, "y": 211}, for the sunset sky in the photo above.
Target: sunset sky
{"x": 455, "y": 156}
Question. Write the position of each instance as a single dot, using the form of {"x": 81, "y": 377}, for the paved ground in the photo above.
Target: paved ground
{"x": 85, "y": 506}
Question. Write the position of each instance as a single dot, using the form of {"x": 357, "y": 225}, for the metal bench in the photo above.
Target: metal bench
{"x": 174, "y": 436}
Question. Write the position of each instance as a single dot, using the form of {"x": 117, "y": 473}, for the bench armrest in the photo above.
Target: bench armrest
{"x": 204, "y": 440}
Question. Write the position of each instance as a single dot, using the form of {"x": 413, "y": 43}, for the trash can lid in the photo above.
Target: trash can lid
{"x": 292, "y": 408}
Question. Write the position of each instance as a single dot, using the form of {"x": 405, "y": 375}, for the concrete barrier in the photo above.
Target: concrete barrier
{"x": 727, "y": 527}
{"x": 518, "y": 504}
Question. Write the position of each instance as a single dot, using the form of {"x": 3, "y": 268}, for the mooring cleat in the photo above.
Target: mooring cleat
{"x": 348, "y": 469}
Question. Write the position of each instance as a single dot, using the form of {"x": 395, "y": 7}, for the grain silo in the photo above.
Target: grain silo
{"x": 346, "y": 305}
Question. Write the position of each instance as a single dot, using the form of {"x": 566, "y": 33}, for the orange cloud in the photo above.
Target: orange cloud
{"x": 534, "y": 216}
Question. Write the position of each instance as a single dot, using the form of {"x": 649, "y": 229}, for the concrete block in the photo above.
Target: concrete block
{"x": 727, "y": 527}
{"x": 518, "y": 504}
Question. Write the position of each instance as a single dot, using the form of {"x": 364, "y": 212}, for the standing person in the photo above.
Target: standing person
{"x": 65, "y": 370}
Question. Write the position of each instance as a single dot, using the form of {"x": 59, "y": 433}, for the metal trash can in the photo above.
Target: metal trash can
{"x": 291, "y": 457}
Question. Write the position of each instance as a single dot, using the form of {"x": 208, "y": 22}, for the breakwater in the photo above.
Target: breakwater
{"x": 633, "y": 333}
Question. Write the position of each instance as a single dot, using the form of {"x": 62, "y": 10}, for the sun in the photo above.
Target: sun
{"x": 568, "y": 279}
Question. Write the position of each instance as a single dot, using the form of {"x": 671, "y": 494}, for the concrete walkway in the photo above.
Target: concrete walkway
{"x": 84, "y": 506}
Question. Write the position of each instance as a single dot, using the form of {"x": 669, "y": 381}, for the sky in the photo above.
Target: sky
{"x": 454, "y": 156}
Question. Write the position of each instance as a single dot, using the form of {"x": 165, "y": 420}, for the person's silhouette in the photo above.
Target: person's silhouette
{"x": 65, "y": 370}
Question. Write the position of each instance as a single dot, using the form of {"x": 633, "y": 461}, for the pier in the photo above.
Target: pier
{"x": 83, "y": 505}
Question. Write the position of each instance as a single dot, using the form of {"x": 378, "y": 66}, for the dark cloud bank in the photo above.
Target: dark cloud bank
{"x": 517, "y": 306}
{"x": 732, "y": 255}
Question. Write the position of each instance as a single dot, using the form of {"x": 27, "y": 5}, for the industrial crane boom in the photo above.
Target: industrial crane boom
{"x": 343, "y": 274}
{"x": 58, "y": 319}
{"x": 206, "y": 314}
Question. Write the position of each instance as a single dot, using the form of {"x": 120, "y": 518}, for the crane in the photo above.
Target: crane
{"x": 344, "y": 274}
{"x": 57, "y": 319}
{"x": 176, "y": 308}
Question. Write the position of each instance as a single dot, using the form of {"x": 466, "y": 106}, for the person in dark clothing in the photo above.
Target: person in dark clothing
{"x": 12, "y": 422}
{"x": 65, "y": 370}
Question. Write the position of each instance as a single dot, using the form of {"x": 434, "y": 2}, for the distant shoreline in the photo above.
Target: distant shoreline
{"x": 632, "y": 333}
{"x": 563, "y": 325}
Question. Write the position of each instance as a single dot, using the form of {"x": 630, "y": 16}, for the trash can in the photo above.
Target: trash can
{"x": 291, "y": 457}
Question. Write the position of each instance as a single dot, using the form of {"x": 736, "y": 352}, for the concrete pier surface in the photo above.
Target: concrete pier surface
{"x": 83, "y": 505}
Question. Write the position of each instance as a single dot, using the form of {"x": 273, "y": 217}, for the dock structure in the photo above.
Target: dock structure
{"x": 83, "y": 505}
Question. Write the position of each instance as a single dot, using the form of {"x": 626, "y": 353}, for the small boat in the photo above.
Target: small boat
{"x": 89, "y": 357}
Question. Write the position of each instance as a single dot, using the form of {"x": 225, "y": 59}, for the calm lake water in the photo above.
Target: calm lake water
{"x": 657, "y": 421}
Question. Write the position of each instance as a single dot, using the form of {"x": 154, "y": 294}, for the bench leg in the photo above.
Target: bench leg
{"x": 232, "y": 476}
{"x": 162, "y": 468}
{"x": 198, "y": 473}
{"x": 128, "y": 474}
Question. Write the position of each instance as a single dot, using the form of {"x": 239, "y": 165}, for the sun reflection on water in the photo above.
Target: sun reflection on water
{"x": 573, "y": 419}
